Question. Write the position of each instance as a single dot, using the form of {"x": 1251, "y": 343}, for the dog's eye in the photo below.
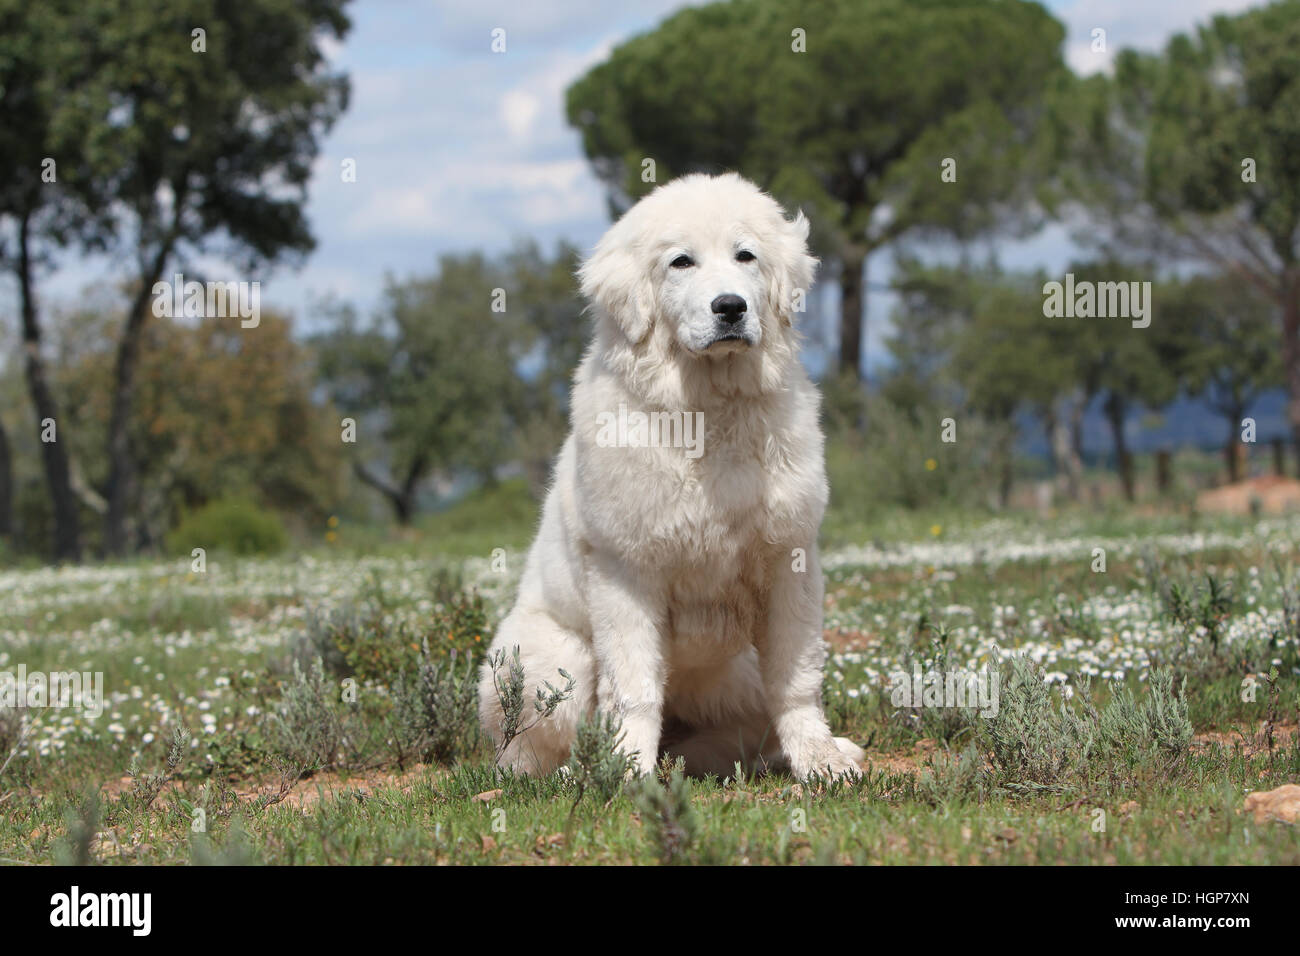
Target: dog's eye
{"x": 744, "y": 255}
{"x": 682, "y": 262}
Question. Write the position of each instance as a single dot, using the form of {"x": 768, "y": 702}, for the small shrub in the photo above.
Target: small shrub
{"x": 233, "y": 525}
{"x": 945, "y": 724}
{"x": 669, "y": 817}
{"x": 77, "y": 847}
{"x": 597, "y": 761}
{"x": 145, "y": 787}
{"x": 366, "y": 643}
{"x": 1206, "y": 606}
{"x": 1034, "y": 743}
{"x": 1028, "y": 739}
{"x": 950, "y": 778}
{"x": 369, "y": 642}
{"x": 310, "y": 726}
{"x": 435, "y": 710}
{"x": 461, "y": 625}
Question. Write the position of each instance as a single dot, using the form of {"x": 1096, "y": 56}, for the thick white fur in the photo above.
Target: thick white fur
{"x": 664, "y": 584}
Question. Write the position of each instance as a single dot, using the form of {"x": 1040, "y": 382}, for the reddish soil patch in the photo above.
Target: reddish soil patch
{"x": 1275, "y": 494}
{"x": 1252, "y": 740}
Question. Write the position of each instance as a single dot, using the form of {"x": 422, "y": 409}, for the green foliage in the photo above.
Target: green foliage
{"x": 499, "y": 509}
{"x": 1036, "y": 743}
{"x": 232, "y": 525}
{"x": 368, "y": 642}
{"x": 910, "y": 62}
{"x": 1207, "y": 606}
{"x": 311, "y": 726}
{"x": 669, "y": 817}
{"x": 460, "y": 624}
{"x": 443, "y": 400}
{"x": 900, "y": 459}
{"x": 166, "y": 144}
{"x": 435, "y": 710}
{"x": 597, "y": 762}
{"x": 145, "y": 787}
{"x": 363, "y": 642}
{"x": 1163, "y": 163}
{"x": 218, "y": 413}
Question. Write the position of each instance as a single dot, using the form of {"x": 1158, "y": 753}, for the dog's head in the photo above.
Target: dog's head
{"x": 708, "y": 262}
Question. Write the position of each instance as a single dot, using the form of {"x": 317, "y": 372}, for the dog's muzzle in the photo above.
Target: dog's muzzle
{"x": 729, "y": 326}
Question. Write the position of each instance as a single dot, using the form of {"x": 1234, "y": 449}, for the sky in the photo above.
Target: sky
{"x": 459, "y": 148}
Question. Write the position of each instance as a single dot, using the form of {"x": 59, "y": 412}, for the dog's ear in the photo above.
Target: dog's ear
{"x": 792, "y": 270}
{"x": 618, "y": 284}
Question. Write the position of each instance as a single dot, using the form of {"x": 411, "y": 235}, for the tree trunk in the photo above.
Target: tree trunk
{"x": 1291, "y": 356}
{"x": 852, "y": 295}
{"x": 1230, "y": 451}
{"x": 1115, "y": 408}
{"x": 402, "y": 500}
{"x": 1078, "y": 409}
{"x": 1006, "y": 473}
{"x": 1063, "y": 457}
{"x": 6, "y": 486}
{"x": 67, "y": 530}
{"x": 1164, "y": 471}
{"x": 121, "y": 464}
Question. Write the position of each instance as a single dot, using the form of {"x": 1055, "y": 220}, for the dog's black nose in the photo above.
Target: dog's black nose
{"x": 729, "y": 307}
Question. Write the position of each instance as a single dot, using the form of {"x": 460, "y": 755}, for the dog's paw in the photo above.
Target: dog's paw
{"x": 833, "y": 764}
{"x": 850, "y": 749}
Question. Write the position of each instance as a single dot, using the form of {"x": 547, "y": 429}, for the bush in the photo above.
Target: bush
{"x": 1034, "y": 743}
{"x": 310, "y": 725}
{"x": 597, "y": 762}
{"x": 369, "y": 642}
{"x": 895, "y": 457}
{"x": 363, "y": 641}
{"x": 233, "y": 525}
{"x": 669, "y": 817}
{"x": 435, "y": 710}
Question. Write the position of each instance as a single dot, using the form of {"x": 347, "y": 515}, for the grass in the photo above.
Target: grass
{"x": 243, "y": 750}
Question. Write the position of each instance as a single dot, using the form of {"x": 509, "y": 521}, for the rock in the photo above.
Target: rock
{"x": 1281, "y": 804}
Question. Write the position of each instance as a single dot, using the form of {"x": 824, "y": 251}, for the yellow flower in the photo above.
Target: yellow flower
{"x": 331, "y": 536}
{"x": 936, "y": 529}
{"x": 334, "y": 521}
{"x": 931, "y": 464}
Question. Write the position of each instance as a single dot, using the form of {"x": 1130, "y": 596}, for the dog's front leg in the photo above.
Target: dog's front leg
{"x": 791, "y": 657}
{"x": 627, "y": 633}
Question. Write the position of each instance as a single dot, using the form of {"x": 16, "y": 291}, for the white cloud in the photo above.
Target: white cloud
{"x": 519, "y": 109}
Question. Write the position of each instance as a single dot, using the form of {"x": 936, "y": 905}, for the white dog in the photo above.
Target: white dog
{"x": 676, "y": 578}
